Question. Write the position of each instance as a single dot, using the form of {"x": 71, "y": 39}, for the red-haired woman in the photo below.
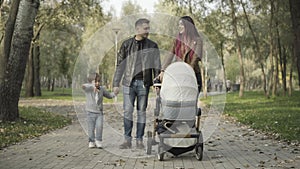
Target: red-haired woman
{"x": 187, "y": 47}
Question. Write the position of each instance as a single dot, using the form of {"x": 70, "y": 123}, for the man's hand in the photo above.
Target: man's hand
{"x": 116, "y": 90}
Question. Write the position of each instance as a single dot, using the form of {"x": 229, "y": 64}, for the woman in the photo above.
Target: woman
{"x": 186, "y": 47}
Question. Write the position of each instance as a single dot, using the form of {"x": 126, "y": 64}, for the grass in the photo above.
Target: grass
{"x": 58, "y": 94}
{"x": 279, "y": 116}
{"x": 33, "y": 122}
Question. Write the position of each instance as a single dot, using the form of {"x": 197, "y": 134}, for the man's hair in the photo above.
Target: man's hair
{"x": 141, "y": 21}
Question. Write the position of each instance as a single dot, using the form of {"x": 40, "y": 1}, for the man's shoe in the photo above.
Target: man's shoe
{"x": 92, "y": 145}
{"x": 140, "y": 145}
{"x": 98, "y": 144}
{"x": 125, "y": 145}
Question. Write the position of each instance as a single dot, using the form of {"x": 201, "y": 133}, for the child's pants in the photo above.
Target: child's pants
{"x": 95, "y": 126}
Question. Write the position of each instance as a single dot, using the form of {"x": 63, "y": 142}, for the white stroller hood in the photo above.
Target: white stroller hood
{"x": 179, "y": 92}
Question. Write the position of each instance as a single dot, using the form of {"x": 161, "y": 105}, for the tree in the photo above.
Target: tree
{"x": 295, "y": 16}
{"x": 129, "y": 8}
{"x": 239, "y": 48}
{"x": 18, "y": 35}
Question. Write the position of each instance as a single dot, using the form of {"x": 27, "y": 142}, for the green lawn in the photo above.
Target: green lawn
{"x": 279, "y": 116}
{"x": 33, "y": 122}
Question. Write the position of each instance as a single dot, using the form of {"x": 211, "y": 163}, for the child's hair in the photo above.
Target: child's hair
{"x": 92, "y": 76}
{"x": 97, "y": 78}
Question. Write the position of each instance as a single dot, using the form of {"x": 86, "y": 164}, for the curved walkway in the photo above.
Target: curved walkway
{"x": 232, "y": 146}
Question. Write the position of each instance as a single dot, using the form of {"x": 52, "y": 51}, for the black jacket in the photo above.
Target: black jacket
{"x": 127, "y": 56}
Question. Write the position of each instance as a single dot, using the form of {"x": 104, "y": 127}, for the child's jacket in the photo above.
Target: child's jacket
{"x": 93, "y": 105}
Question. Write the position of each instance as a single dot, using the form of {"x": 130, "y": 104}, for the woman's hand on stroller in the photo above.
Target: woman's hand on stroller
{"x": 160, "y": 76}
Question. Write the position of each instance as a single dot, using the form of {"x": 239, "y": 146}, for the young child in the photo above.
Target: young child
{"x": 94, "y": 107}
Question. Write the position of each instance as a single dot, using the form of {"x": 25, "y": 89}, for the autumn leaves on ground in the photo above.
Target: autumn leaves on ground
{"x": 279, "y": 117}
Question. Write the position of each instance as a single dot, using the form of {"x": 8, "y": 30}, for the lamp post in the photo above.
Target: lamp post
{"x": 116, "y": 30}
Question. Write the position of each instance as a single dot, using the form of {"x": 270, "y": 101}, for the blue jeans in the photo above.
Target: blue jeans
{"x": 137, "y": 91}
{"x": 95, "y": 126}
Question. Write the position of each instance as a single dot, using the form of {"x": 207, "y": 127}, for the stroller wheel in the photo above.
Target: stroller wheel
{"x": 199, "y": 151}
{"x": 149, "y": 142}
{"x": 199, "y": 147}
{"x": 161, "y": 153}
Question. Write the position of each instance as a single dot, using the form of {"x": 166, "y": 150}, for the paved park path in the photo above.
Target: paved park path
{"x": 232, "y": 146}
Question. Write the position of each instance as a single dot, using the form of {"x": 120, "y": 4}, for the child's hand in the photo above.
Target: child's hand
{"x": 96, "y": 89}
{"x": 116, "y": 90}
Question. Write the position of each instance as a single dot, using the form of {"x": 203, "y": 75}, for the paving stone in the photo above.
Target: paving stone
{"x": 232, "y": 146}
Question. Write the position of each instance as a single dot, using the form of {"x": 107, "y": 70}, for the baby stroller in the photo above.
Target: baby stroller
{"x": 177, "y": 118}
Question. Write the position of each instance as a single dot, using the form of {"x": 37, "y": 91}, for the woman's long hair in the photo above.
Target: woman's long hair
{"x": 190, "y": 29}
{"x": 187, "y": 37}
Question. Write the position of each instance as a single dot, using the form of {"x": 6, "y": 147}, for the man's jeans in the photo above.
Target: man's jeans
{"x": 95, "y": 126}
{"x": 137, "y": 91}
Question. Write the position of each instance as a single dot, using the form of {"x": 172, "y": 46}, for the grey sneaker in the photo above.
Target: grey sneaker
{"x": 140, "y": 144}
{"x": 125, "y": 145}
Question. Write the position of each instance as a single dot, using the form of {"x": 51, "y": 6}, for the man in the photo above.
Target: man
{"x": 138, "y": 63}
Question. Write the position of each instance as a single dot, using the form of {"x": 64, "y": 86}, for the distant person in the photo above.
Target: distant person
{"x": 187, "y": 47}
{"x": 220, "y": 86}
{"x": 208, "y": 85}
{"x": 228, "y": 85}
{"x": 138, "y": 62}
{"x": 94, "y": 107}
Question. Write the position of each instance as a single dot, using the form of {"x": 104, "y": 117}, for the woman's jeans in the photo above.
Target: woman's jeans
{"x": 137, "y": 91}
{"x": 95, "y": 126}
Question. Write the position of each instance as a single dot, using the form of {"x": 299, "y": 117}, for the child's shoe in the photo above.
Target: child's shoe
{"x": 98, "y": 144}
{"x": 92, "y": 145}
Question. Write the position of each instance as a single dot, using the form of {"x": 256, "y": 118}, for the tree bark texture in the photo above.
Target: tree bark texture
{"x": 295, "y": 14}
{"x": 10, "y": 25}
{"x": 29, "y": 74}
{"x": 17, "y": 55}
{"x": 36, "y": 63}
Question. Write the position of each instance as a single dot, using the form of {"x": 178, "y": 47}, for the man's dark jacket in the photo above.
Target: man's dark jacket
{"x": 127, "y": 57}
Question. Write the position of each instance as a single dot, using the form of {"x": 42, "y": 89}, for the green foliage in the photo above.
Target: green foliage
{"x": 68, "y": 24}
{"x": 279, "y": 116}
{"x": 214, "y": 19}
{"x": 130, "y": 7}
{"x": 33, "y": 122}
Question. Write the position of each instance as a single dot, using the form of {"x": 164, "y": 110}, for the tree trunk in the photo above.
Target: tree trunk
{"x": 271, "y": 73}
{"x": 223, "y": 66}
{"x": 295, "y": 14}
{"x": 32, "y": 80}
{"x": 264, "y": 78}
{"x": 291, "y": 81}
{"x": 36, "y": 62}
{"x": 52, "y": 84}
{"x": 278, "y": 52}
{"x": 16, "y": 50}
{"x": 29, "y": 78}
{"x": 239, "y": 48}
{"x": 9, "y": 28}
{"x": 283, "y": 69}
{"x": 49, "y": 84}
{"x": 258, "y": 56}
{"x": 276, "y": 74}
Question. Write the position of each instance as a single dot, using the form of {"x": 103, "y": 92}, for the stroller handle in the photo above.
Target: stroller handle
{"x": 156, "y": 82}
